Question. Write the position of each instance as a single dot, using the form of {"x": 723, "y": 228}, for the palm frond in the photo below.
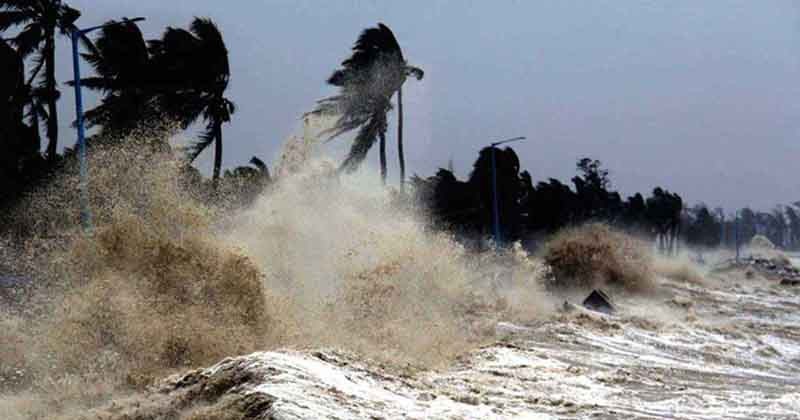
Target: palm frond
{"x": 29, "y": 40}
{"x": 192, "y": 66}
{"x": 216, "y": 67}
{"x": 31, "y": 6}
{"x": 367, "y": 81}
{"x": 218, "y": 109}
{"x": 120, "y": 51}
{"x": 67, "y": 17}
{"x": 36, "y": 112}
{"x": 258, "y": 163}
{"x": 351, "y": 115}
{"x": 11, "y": 18}
{"x": 95, "y": 83}
{"x": 38, "y": 63}
{"x": 230, "y": 107}
{"x": 208, "y": 33}
{"x": 366, "y": 137}
{"x": 176, "y": 42}
{"x": 99, "y": 115}
{"x": 374, "y": 45}
{"x": 415, "y": 71}
{"x": 85, "y": 41}
{"x": 204, "y": 140}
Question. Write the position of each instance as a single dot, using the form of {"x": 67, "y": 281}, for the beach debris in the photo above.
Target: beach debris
{"x": 599, "y": 301}
{"x": 774, "y": 267}
{"x": 777, "y": 268}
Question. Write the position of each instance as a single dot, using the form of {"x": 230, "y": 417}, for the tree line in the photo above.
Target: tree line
{"x": 527, "y": 210}
{"x": 715, "y": 228}
{"x": 181, "y": 78}
{"x": 168, "y": 83}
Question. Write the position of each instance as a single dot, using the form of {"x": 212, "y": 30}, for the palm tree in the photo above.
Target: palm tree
{"x": 41, "y": 20}
{"x": 125, "y": 76}
{"x": 194, "y": 64}
{"x": 11, "y": 80}
{"x": 367, "y": 80}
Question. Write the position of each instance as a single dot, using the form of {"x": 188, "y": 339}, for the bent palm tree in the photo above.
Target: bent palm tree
{"x": 367, "y": 80}
{"x": 124, "y": 71}
{"x": 41, "y": 20}
{"x": 12, "y": 76}
{"x": 12, "y": 79}
{"x": 195, "y": 64}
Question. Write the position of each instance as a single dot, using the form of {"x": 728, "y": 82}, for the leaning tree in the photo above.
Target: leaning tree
{"x": 40, "y": 21}
{"x": 367, "y": 80}
{"x": 194, "y": 63}
{"x": 125, "y": 76}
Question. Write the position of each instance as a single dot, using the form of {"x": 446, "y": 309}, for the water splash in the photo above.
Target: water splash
{"x": 165, "y": 282}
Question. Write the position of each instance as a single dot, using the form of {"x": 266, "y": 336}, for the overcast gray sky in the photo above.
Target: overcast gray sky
{"x": 700, "y": 97}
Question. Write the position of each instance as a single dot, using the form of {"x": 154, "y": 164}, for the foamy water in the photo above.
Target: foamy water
{"x": 362, "y": 311}
{"x": 731, "y": 355}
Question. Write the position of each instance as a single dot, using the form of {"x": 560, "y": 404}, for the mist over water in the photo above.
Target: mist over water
{"x": 164, "y": 282}
{"x": 322, "y": 260}
{"x": 357, "y": 270}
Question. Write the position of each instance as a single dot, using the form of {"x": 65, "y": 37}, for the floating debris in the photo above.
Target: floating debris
{"x": 599, "y": 301}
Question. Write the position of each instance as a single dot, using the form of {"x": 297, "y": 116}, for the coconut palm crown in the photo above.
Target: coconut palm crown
{"x": 40, "y": 21}
{"x": 366, "y": 81}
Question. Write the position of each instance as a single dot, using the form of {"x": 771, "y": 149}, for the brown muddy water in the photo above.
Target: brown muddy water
{"x": 356, "y": 309}
{"x": 728, "y": 349}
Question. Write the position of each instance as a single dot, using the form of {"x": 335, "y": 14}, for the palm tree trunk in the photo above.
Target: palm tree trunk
{"x": 217, "y": 151}
{"x": 35, "y": 124}
{"x": 383, "y": 157}
{"x": 52, "y": 96}
{"x": 400, "y": 154}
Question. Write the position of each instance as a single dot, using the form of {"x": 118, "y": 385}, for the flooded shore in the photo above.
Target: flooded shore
{"x": 726, "y": 349}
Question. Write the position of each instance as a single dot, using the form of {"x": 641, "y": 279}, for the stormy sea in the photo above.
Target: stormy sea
{"x": 332, "y": 297}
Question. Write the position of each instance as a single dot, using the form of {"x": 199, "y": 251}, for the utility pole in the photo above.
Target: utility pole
{"x": 736, "y": 233}
{"x": 83, "y": 185}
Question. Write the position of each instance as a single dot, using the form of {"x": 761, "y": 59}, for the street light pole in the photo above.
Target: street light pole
{"x": 495, "y": 204}
{"x": 86, "y": 217}
{"x": 736, "y": 232}
{"x": 77, "y": 34}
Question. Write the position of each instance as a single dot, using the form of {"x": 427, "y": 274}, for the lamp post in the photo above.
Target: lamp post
{"x": 495, "y": 205}
{"x": 736, "y": 233}
{"x": 77, "y": 34}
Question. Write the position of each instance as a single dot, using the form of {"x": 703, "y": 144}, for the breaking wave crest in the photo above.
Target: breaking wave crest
{"x": 165, "y": 282}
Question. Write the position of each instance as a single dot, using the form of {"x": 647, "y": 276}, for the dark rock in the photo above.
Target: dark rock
{"x": 790, "y": 282}
{"x": 600, "y": 302}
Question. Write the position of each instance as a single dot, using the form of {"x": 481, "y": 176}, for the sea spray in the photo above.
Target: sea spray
{"x": 359, "y": 271}
{"x": 149, "y": 290}
{"x": 165, "y": 282}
